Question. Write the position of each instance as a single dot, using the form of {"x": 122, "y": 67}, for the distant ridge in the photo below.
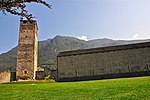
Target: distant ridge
{"x": 49, "y": 49}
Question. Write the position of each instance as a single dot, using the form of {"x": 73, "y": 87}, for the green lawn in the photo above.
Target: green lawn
{"x": 111, "y": 89}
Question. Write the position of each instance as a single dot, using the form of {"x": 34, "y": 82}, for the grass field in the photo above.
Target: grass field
{"x": 112, "y": 89}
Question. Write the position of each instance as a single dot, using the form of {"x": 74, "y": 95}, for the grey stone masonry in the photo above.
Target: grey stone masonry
{"x": 113, "y": 60}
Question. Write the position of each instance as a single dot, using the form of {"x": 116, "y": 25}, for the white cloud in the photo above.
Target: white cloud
{"x": 83, "y": 38}
{"x": 132, "y": 37}
{"x": 135, "y": 36}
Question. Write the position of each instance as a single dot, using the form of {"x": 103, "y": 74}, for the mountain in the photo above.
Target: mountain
{"x": 49, "y": 49}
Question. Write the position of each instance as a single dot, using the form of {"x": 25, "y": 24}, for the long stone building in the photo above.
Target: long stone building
{"x": 27, "y": 50}
{"x": 106, "y": 62}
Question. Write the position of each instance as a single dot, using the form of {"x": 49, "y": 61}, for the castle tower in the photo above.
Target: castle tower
{"x": 27, "y": 50}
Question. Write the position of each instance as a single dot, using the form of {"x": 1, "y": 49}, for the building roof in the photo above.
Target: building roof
{"x": 105, "y": 49}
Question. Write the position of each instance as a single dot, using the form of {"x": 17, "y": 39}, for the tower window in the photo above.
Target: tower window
{"x": 31, "y": 21}
{"x": 24, "y": 21}
{"x": 25, "y": 72}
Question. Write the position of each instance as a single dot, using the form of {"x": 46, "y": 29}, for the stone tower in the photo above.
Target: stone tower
{"x": 27, "y": 50}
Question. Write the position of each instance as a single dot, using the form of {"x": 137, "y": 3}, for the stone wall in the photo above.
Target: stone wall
{"x": 123, "y": 59}
{"x": 5, "y": 77}
{"x": 40, "y": 75}
{"x": 27, "y": 50}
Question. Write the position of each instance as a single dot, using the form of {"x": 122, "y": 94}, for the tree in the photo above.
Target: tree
{"x": 17, "y": 7}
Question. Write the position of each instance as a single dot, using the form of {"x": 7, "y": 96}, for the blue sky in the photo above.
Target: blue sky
{"x": 87, "y": 19}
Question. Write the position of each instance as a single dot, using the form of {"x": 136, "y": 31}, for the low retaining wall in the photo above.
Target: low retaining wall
{"x": 5, "y": 77}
